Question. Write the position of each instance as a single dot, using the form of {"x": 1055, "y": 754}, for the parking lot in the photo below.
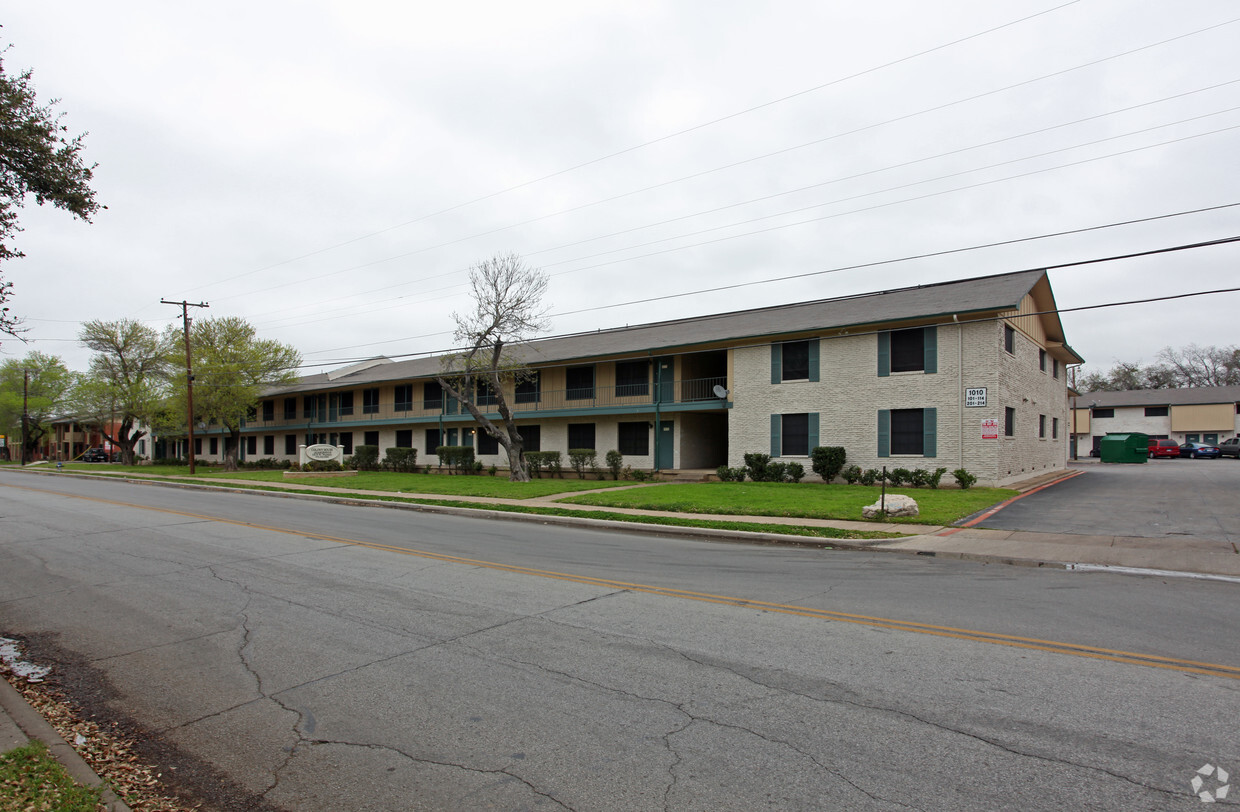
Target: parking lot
{"x": 1164, "y": 498}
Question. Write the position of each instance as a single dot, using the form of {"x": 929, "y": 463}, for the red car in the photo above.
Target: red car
{"x": 1164, "y": 448}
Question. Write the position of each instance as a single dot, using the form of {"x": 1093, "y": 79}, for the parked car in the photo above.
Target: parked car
{"x": 1196, "y": 450}
{"x": 95, "y": 455}
{"x": 1230, "y": 448}
{"x": 1164, "y": 448}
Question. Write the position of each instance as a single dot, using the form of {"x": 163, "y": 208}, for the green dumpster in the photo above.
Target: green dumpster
{"x": 1130, "y": 447}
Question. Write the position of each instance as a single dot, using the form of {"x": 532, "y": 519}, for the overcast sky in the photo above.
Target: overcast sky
{"x": 330, "y": 170}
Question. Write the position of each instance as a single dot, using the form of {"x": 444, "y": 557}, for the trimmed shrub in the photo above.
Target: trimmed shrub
{"x": 365, "y": 458}
{"x": 456, "y": 457}
{"x": 757, "y": 463}
{"x": 898, "y": 476}
{"x": 322, "y": 465}
{"x": 851, "y": 474}
{"x": 827, "y": 461}
{"x": 727, "y": 474}
{"x": 918, "y": 477}
{"x": 551, "y": 459}
{"x": 493, "y": 470}
{"x": 795, "y": 472}
{"x": 582, "y": 458}
{"x": 870, "y": 475}
{"x": 403, "y": 460}
{"x": 615, "y": 463}
{"x": 964, "y": 479}
{"x": 933, "y": 479}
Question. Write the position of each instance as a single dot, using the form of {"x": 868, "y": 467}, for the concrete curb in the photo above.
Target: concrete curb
{"x": 37, "y": 728}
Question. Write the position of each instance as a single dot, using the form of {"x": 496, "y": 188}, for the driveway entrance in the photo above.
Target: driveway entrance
{"x": 1166, "y": 498}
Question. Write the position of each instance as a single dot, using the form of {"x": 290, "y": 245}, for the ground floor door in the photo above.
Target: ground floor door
{"x": 665, "y": 445}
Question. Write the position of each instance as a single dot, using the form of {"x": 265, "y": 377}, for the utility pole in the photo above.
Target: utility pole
{"x": 25, "y": 410}
{"x": 189, "y": 377}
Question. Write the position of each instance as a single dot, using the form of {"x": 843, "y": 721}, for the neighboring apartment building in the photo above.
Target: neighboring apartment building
{"x": 965, "y": 374}
{"x": 1208, "y": 414}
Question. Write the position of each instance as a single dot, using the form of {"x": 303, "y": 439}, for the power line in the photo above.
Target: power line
{"x": 1092, "y": 261}
{"x": 654, "y": 141}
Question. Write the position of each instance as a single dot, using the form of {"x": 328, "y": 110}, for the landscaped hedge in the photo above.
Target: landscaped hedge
{"x": 580, "y": 458}
{"x": 456, "y": 458}
{"x": 539, "y": 461}
{"x": 827, "y": 461}
{"x": 365, "y": 458}
{"x": 404, "y": 460}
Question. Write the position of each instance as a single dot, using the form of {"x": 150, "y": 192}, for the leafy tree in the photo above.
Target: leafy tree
{"x": 49, "y": 383}
{"x": 232, "y": 369}
{"x": 127, "y": 381}
{"x": 507, "y": 311}
{"x": 36, "y": 159}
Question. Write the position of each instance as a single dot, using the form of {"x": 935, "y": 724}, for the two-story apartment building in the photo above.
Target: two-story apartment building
{"x": 1203, "y": 414}
{"x": 966, "y": 374}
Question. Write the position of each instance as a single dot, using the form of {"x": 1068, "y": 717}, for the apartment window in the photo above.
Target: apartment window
{"x": 1055, "y": 368}
{"x": 370, "y": 401}
{"x": 1104, "y": 413}
{"x": 370, "y": 438}
{"x": 290, "y": 408}
{"x": 251, "y": 414}
{"x": 580, "y": 435}
{"x": 1156, "y": 411}
{"x": 486, "y": 443}
{"x": 197, "y": 445}
{"x": 485, "y": 393}
{"x": 1042, "y": 426}
{"x": 269, "y": 444}
{"x": 913, "y": 350}
{"x": 1042, "y": 360}
{"x": 908, "y": 431}
{"x": 404, "y": 438}
{"x": 432, "y": 396}
{"x": 1009, "y": 339}
{"x": 635, "y": 438}
{"x": 345, "y": 401}
{"x": 309, "y": 407}
{"x": 251, "y": 446}
{"x": 1054, "y": 428}
{"x": 529, "y": 388}
{"x": 908, "y": 350}
{"x": 794, "y": 440}
{"x": 794, "y": 361}
{"x": 290, "y": 445}
{"x": 1009, "y": 422}
{"x": 580, "y": 382}
{"x": 346, "y": 441}
{"x": 632, "y": 379}
{"x": 269, "y": 411}
{"x": 215, "y": 445}
{"x": 402, "y": 399}
{"x": 531, "y": 437}
{"x": 433, "y": 442}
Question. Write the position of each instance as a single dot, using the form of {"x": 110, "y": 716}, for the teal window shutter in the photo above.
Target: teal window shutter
{"x": 930, "y": 344}
{"x": 929, "y": 431}
{"x": 813, "y": 431}
{"x": 777, "y": 363}
{"x": 777, "y": 426}
{"x": 813, "y": 361}
{"x": 884, "y": 433}
{"x": 884, "y": 355}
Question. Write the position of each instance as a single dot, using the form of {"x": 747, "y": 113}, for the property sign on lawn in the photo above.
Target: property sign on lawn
{"x": 990, "y": 429}
{"x": 975, "y": 397}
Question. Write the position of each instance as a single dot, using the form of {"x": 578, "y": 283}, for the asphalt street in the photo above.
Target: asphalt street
{"x": 332, "y": 657}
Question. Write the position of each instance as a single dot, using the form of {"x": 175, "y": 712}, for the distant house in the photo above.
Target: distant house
{"x": 967, "y": 374}
{"x": 1207, "y": 414}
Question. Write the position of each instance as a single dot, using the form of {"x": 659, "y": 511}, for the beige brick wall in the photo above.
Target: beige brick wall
{"x": 850, "y": 393}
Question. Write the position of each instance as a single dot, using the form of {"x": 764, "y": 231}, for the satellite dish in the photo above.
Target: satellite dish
{"x": 720, "y": 392}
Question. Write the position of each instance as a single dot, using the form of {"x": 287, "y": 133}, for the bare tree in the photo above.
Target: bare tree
{"x": 1203, "y": 366}
{"x": 508, "y": 310}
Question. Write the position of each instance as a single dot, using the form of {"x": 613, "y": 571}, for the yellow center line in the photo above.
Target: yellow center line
{"x": 1015, "y": 641}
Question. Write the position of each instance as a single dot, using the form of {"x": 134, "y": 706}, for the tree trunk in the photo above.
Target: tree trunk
{"x": 234, "y": 448}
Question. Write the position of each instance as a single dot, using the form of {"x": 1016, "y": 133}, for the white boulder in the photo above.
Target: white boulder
{"x": 897, "y": 505}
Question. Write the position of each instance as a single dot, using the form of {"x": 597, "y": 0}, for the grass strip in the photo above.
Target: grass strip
{"x": 32, "y": 780}
{"x": 676, "y": 521}
{"x": 805, "y": 500}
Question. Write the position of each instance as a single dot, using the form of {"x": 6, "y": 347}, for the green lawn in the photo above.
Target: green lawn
{"x": 31, "y": 779}
{"x": 801, "y": 500}
{"x": 482, "y": 485}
